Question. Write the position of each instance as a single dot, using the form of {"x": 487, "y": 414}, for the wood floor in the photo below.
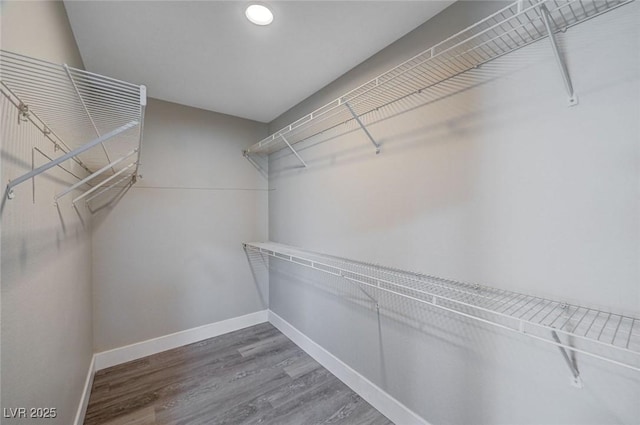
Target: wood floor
{"x": 252, "y": 376}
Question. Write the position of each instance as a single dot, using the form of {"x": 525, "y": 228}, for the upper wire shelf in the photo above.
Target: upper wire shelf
{"x": 517, "y": 25}
{"x": 608, "y": 336}
{"x": 94, "y": 120}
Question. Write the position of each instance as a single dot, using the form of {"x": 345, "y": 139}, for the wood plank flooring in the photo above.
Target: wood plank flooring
{"x": 252, "y": 376}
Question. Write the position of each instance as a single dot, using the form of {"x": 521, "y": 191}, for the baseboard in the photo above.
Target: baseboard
{"x": 86, "y": 392}
{"x": 138, "y": 350}
{"x": 374, "y": 395}
{"x": 378, "y": 398}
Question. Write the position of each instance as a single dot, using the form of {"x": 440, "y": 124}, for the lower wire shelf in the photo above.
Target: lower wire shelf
{"x": 607, "y": 336}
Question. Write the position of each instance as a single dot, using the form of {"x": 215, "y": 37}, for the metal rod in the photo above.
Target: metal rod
{"x": 88, "y": 75}
{"x": 91, "y": 176}
{"x": 577, "y": 325}
{"x": 569, "y": 318}
{"x": 592, "y": 322}
{"x": 524, "y": 305}
{"x": 36, "y": 149}
{"x": 573, "y": 99}
{"x": 68, "y": 155}
{"x": 124, "y": 90}
{"x": 20, "y": 73}
{"x": 35, "y": 90}
{"x": 54, "y": 101}
{"x": 563, "y": 308}
{"x": 102, "y": 183}
{"x": 294, "y": 151}
{"x": 356, "y": 282}
{"x": 54, "y": 67}
{"x": 33, "y": 180}
{"x": 616, "y": 331}
{"x": 95, "y": 195}
{"x": 604, "y": 326}
{"x": 75, "y": 87}
{"x": 572, "y": 366}
{"x": 355, "y": 116}
{"x": 143, "y": 108}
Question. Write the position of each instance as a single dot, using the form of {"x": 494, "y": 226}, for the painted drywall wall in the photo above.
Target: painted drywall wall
{"x": 39, "y": 29}
{"x": 499, "y": 183}
{"x": 168, "y": 256}
{"x": 46, "y": 330}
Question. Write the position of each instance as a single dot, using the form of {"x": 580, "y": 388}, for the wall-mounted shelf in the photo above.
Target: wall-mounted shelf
{"x": 608, "y": 336}
{"x": 515, "y": 26}
{"x": 94, "y": 120}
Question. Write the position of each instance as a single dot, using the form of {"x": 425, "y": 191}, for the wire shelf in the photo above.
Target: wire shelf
{"x": 515, "y": 26}
{"x": 72, "y": 107}
{"x": 604, "y": 335}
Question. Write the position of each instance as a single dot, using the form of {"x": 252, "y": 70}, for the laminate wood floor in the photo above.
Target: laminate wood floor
{"x": 253, "y": 376}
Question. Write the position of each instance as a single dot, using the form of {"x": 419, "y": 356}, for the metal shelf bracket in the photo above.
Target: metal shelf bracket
{"x": 304, "y": 164}
{"x": 546, "y": 19}
{"x": 91, "y": 176}
{"x": 23, "y": 113}
{"x": 576, "y": 381}
{"x": 368, "y": 295}
{"x": 69, "y": 155}
{"x": 102, "y": 183}
{"x": 357, "y": 118}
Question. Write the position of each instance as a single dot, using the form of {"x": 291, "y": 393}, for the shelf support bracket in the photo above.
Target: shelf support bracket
{"x": 368, "y": 295}
{"x": 106, "y": 189}
{"x": 68, "y": 155}
{"x": 576, "y": 380}
{"x": 362, "y": 126}
{"x": 304, "y": 164}
{"x": 103, "y": 182}
{"x": 91, "y": 176}
{"x": 86, "y": 110}
{"x": 546, "y": 19}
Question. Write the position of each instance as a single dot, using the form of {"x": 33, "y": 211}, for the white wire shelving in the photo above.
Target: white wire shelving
{"x": 607, "y": 336}
{"x": 93, "y": 120}
{"x": 515, "y": 26}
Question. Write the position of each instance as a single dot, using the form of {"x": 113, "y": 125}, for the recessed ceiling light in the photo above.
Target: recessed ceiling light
{"x": 259, "y": 14}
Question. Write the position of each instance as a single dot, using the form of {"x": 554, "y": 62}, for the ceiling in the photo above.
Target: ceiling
{"x": 206, "y": 54}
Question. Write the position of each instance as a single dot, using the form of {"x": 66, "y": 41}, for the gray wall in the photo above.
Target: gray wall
{"x": 498, "y": 183}
{"x": 46, "y": 253}
{"x": 168, "y": 256}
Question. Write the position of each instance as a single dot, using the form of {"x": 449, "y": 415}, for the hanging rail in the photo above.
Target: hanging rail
{"x": 77, "y": 110}
{"x": 607, "y": 336}
{"x": 129, "y": 177}
{"x": 517, "y": 25}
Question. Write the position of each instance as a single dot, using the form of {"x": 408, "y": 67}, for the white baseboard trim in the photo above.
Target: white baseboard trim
{"x": 138, "y": 350}
{"x": 387, "y": 405}
{"x": 86, "y": 392}
{"x": 374, "y": 395}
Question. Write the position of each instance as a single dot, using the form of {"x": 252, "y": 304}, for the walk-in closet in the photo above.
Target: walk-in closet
{"x": 320, "y": 212}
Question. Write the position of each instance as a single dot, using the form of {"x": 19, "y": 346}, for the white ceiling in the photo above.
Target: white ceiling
{"x": 206, "y": 54}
